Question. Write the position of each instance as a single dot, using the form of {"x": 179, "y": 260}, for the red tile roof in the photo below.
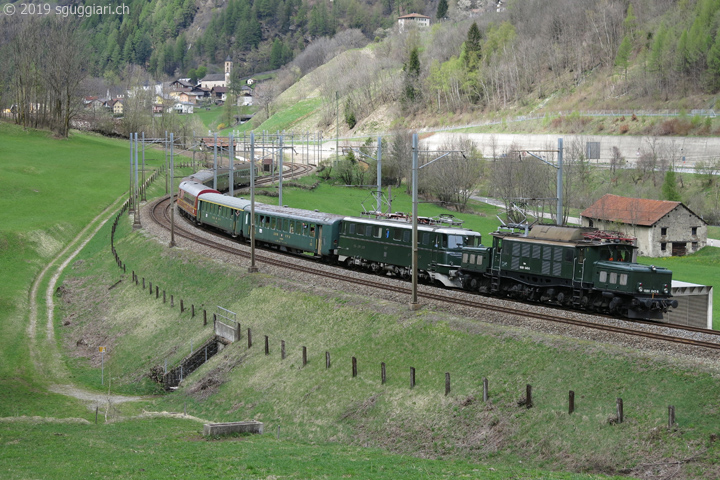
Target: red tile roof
{"x": 633, "y": 211}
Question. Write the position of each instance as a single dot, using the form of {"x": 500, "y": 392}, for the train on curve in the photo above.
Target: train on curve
{"x": 578, "y": 268}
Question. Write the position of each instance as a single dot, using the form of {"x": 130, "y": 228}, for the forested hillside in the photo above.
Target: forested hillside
{"x": 477, "y": 56}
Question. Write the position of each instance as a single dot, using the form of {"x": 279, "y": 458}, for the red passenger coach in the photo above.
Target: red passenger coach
{"x": 188, "y": 194}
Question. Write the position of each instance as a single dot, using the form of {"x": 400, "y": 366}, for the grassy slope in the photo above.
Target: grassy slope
{"x": 40, "y": 218}
{"x": 317, "y": 405}
{"x": 44, "y": 216}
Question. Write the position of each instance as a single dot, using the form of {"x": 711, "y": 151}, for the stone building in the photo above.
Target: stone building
{"x": 662, "y": 228}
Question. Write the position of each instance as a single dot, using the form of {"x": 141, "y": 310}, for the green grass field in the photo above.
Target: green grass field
{"x": 325, "y": 417}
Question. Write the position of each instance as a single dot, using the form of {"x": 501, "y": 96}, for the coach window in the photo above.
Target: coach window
{"x": 273, "y": 222}
{"x": 312, "y": 229}
{"x": 292, "y": 226}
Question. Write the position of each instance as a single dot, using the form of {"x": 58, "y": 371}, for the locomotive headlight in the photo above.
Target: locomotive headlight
{"x": 666, "y": 290}
{"x": 640, "y": 287}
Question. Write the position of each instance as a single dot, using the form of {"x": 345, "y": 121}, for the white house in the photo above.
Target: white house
{"x": 413, "y": 19}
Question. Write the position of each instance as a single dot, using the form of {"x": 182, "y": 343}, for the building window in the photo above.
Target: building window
{"x": 693, "y": 230}
{"x": 663, "y": 246}
{"x": 663, "y": 231}
{"x": 694, "y": 246}
{"x": 591, "y": 223}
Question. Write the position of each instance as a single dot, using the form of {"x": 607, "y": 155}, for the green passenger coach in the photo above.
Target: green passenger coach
{"x": 385, "y": 246}
{"x": 294, "y": 229}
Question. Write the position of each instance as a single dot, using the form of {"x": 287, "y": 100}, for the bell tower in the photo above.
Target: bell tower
{"x": 228, "y": 70}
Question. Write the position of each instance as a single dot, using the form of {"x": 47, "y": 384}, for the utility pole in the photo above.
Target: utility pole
{"x": 172, "y": 190}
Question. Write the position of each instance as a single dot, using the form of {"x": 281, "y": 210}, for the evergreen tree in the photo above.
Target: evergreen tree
{"x": 412, "y": 75}
{"x": 713, "y": 62}
{"x": 622, "y": 59}
{"x": 669, "y": 187}
{"x": 442, "y": 9}
{"x": 473, "y": 47}
{"x": 276, "y": 54}
{"x": 630, "y": 22}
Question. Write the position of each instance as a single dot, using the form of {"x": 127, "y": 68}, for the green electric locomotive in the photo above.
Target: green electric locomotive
{"x": 575, "y": 267}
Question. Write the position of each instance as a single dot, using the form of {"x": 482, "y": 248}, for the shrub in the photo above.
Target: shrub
{"x": 624, "y": 128}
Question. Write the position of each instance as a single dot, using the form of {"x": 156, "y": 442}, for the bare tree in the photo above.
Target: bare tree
{"x": 453, "y": 180}
{"x": 65, "y": 67}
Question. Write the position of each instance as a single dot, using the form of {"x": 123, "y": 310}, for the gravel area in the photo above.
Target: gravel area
{"x": 465, "y": 318}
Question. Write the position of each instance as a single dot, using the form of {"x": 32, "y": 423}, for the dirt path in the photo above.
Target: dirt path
{"x": 47, "y": 358}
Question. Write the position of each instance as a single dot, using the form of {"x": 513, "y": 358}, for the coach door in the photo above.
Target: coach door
{"x": 319, "y": 239}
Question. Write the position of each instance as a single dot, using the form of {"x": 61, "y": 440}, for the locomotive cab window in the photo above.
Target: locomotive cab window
{"x": 406, "y": 236}
{"x": 426, "y": 238}
{"x": 368, "y": 231}
{"x": 397, "y": 234}
{"x": 568, "y": 255}
{"x": 378, "y": 232}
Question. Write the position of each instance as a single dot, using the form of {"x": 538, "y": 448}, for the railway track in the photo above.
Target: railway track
{"x": 160, "y": 215}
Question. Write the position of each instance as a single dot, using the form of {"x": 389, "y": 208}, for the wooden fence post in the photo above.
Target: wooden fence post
{"x": 204, "y": 317}
{"x": 383, "y": 373}
{"x": 304, "y": 350}
{"x": 671, "y": 416}
{"x": 354, "y": 367}
{"x": 327, "y": 360}
{"x": 412, "y": 377}
{"x": 157, "y": 292}
{"x": 267, "y": 345}
{"x": 571, "y": 402}
{"x": 172, "y": 300}
{"x": 192, "y": 309}
{"x": 485, "y": 390}
{"x": 182, "y": 306}
{"x": 620, "y": 413}
{"x": 164, "y": 299}
{"x": 447, "y": 383}
{"x": 528, "y": 391}
{"x": 143, "y": 283}
{"x": 249, "y": 338}
{"x": 150, "y": 288}
{"x": 282, "y": 349}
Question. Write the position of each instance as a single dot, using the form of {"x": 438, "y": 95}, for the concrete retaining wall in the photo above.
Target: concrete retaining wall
{"x": 216, "y": 429}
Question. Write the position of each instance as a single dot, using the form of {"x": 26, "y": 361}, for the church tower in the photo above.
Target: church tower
{"x": 228, "y": 70}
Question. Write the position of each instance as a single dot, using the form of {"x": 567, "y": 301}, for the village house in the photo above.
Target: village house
{"x": 413, "y": 19}
{"x": 662, "y": 228}
{"x": 183, "y": 108}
